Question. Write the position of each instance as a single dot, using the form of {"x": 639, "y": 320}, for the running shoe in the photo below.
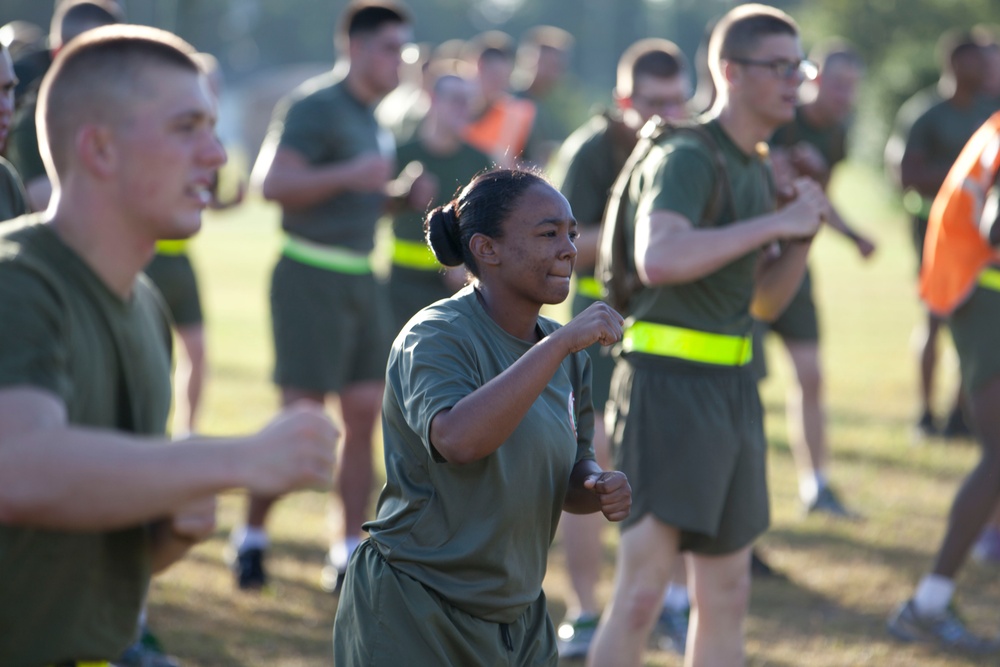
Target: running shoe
{"x": 575, "y": 637}
{"x": 947, "y": 630}
{"x": 828, "y": 502}
{"x": 248, "y": 568}
{"x": 671, "y": 630}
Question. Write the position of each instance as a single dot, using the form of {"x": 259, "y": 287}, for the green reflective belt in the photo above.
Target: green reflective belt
{"x": 414, "y": 255}
{"x": 83, "y": 663}
{"x": 329, "y": 257}
{"x": 667, "y": 341}
{"x": 917, "y": 205}
{"x": 990, "y": 279}
{"x": 171, "y": 247}
{"x": 589, "y": 287}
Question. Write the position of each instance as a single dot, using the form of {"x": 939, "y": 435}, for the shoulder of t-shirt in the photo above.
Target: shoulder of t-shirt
{"x": 321, "y": 89}
{"x": 25, "y": 271}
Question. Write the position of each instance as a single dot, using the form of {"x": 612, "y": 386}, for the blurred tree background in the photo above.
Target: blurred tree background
{"x": 895, "y": 37}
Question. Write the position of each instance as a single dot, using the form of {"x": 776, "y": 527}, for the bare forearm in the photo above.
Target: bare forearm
{"x": 778, "y": 280}
{"x": 693, "y": 253}
{"x": 71, "y": 478}
{"x": 482, "y": 421}
{"x": 301, "y": 187}
{"x": 580, "y": 500}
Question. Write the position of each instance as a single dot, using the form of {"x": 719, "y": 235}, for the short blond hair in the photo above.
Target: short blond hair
{"x": 94, "y": 78}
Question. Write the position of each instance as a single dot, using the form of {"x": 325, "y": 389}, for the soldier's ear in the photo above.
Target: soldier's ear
{"x": 484, "y": 250}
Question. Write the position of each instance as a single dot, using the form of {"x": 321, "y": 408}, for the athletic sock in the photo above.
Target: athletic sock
{"x": 248, "y": 537}
{"x": 676, "y": 598}
{"x": 933, "y": 595}
{"x": 811, "y": 484}
{"x": 341, "y": 552}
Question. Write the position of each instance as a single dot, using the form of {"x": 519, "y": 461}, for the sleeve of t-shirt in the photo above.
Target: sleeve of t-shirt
{"x": 436, "y": 368}
{"x": 682, "y": 182}
{"x": 306, "y": 127}
{"x": 583, "y": 383}
{"x": 12, "y": 191}
{"x": 583, "y": 188}
{"x": 34, "y": 352}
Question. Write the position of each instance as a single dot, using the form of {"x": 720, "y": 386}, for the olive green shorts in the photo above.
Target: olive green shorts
{"x": 602, "y": 363}
{"x": 388, "y": 619}
{"x": 330, "y": 329}
{"x": 799, "y": 322}
{"x": 690, "y": 438}
{"x": 411, "y": 289}
{"x": 174, "y": 276}
{"x": 975, "y": 328}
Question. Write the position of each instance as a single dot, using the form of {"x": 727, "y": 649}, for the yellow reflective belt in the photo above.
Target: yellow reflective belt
{"x": 329, "y": 257}
{"x": 414, "y": 255}
{"x": 589, "y": 287}
{"x": 171, "y": 246}
{"x": 668, "y": 341}
{"x": 990, "y": 279}
{"x": 85, "y": 663}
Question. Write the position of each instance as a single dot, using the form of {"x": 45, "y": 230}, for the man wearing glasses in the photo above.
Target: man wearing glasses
{"x": 652, "y": 80}
{"x": 687, "y": 421}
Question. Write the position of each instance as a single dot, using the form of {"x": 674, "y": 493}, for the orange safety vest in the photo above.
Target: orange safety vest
{"x": 955, "y": 251}
{"x": 502, "y": 132}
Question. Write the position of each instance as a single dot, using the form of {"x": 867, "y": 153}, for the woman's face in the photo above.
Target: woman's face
{"x": 537, "y": 251}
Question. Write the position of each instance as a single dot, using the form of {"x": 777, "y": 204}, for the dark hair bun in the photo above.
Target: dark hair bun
{"x": 444, "y": 236}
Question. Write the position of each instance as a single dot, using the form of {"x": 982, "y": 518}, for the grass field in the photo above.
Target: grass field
{"x": 843, "y": 579}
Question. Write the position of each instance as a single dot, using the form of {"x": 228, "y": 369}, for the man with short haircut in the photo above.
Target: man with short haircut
{"x": 326, "y": 161}
{"x": 542, "y": 61}
{"x": 652, "y": 80}
{"x": 12, "y": 198}
{"x": 434, "y": 164}
{"x": 931, "y": 129}
{"x": 812, "y": 145}
{"x": 70, "y": 20}
{"x": 93, "y": 498}
{"x": 687, "y": 419}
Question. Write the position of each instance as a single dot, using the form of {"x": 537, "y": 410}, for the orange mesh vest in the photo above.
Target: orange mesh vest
{"x": 502, "y": 132}
{"x": 955, "y": 252}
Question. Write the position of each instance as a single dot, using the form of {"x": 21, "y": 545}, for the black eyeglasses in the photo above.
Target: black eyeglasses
{"x": 783, "y": 69}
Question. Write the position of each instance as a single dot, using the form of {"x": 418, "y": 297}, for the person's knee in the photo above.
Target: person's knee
{"x": 193, "y": 340}
{"x": 361, "y": 405}
{"x": 641, "y": 604}
{"x": 722, "y": 596}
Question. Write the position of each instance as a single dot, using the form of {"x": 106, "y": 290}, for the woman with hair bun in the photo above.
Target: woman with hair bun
{"x": 487, "y": 424}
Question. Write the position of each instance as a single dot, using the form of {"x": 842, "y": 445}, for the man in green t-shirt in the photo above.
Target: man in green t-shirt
{"x": 437, "y": 162}
{"x": 687, "y": 422}
{"x": 93, "y": 498}
{"x": 652, "y": 80}
{"x": 327, "y": 162}
{"x": 812, "y": 145}
{"x": 920, "y": 155}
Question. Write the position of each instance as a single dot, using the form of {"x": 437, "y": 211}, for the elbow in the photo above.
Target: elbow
{"x": 455, "y": 453}
{"x": 662, "y": 273}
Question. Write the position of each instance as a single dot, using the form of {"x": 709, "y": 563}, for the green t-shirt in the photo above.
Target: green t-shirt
{"x": 322, "y": 121}
{"x": 13, "y": 201}
{"x": 76, "y": 595}
{"x": 586, "y": 166}
{"x": 941, "y": 132}
{"x": 678, "y": 176}
{"x": 830, "y": 141}
{"x": 477, "y": 534}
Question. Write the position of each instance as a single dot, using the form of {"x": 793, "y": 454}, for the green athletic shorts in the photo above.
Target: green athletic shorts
{"x": 975, "y": 328}
{"x": 690, "y": 438}
{"x": 330, "y": 329}
{"x": 410, "y": 290}
{"x": 174, "y": 276}
{"x": 602, "y": 363}
{"x": 798, "y": 322}
{"x": 388, "y": 619}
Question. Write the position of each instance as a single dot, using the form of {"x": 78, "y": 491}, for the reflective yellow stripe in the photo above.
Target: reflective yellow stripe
{"x": 329, "y": 257}
{"x": 668, "y": 341}
{"x": 85, "y": 663}
{"x": 171, "y": 247}
{"x": 990, "y": 279}
{"x": 414, "y": 255}
{"x": 589, "y": 287}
